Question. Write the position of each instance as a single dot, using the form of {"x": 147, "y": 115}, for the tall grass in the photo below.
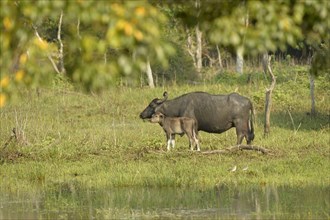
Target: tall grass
{"x": 77, "y": 140}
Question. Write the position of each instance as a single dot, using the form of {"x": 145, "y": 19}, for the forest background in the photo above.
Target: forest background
{"x": 99, "y": 44}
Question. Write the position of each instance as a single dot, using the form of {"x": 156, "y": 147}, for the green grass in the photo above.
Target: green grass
{"x": 72, "y": 139}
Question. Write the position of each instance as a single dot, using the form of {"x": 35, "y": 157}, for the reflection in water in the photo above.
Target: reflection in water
{"x": 267, "y": 202}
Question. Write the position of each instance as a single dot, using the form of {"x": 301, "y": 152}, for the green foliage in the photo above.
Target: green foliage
{"x": 259, "y": 26}
{"x": 315, "y": 21}
{"x": 320, "y": 62}
{"x": 132, "y": 29}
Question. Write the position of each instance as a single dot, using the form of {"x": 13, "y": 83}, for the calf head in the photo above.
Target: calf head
{"x": 157, "y": 117}
{"x": 151, "y": 108}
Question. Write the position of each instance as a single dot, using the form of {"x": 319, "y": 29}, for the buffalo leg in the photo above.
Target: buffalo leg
{"x": 248, "y": 140}
{"x": 240, "y": 138}
{"x": 241, "y": 131}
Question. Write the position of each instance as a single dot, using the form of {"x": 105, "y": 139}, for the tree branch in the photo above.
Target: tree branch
{"x": 48, "y": 55}
{"x": 236, "y": 148}
{"x": 222, "y": 151}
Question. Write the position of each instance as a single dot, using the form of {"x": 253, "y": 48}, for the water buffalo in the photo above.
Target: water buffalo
{"x": 177, "y": 125}
{"x": 213, "y": 113}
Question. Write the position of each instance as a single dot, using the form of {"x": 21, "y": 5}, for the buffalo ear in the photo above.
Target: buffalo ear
{"x": 160, "y": 101}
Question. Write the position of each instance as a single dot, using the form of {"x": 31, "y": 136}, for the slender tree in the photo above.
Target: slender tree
{"x": 239, "y": 60}
{"x": 312, "y": 88}
{"x": 61, "y": 67}
{"x": 149, "y": 74}
{"x": 219, "y": 57}
{"x": 198, "y": 49}
{"x": 269, "y": 91}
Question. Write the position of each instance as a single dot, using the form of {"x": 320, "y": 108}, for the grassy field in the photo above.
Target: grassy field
{"x": 67, "y": 138}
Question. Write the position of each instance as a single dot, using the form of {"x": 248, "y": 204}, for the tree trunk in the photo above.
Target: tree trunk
{"x": 190, "y": 47}
{"x": 219, "y": 58}
{"x": 268, "y": 102}
{"x": 265, "y": 61}
{"x": 239, "y": 60}
{"x": 60, "y": 55}
{"x": 78, "y": 28}
{"x": 198, "y": 49}
{"x": 312, "y": 87}
{"x": 149, "y": 74}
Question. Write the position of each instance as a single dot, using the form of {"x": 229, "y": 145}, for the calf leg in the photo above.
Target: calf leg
{"x": 192, "y": 140}
{"x": 191, "y": 143}
{"x": 196, "y": 140}
{"x": 173, "y": 140}
{"x": 168, "y": 144}
{"x": 169, "y": 140}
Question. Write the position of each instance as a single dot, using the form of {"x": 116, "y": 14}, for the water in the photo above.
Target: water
{"x": 267, "y": 202}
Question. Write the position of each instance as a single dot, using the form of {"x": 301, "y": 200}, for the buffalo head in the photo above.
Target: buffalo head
{"x": 151, "y": 108}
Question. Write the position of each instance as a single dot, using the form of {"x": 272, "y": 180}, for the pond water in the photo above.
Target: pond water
{"x": 266, "y": 202}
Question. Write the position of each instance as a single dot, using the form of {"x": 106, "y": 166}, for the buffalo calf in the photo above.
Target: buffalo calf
{"x": 177, "y": 125}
